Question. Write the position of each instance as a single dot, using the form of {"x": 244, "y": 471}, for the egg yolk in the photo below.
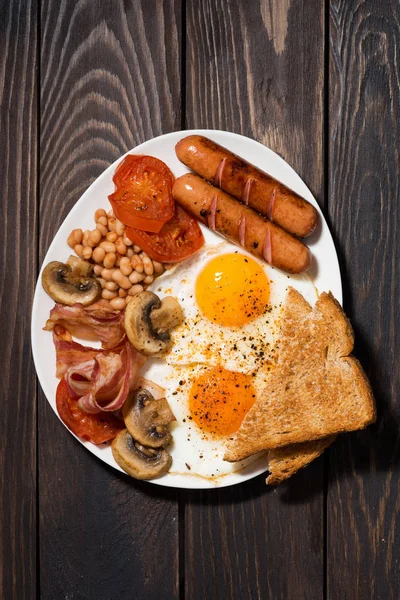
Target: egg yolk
{"x": 219, "y": 400}
{"x": 232, "y": 290}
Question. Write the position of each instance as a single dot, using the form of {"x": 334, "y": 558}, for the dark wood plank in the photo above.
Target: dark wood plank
{"x": 18, "y": 264}
{"x": 363, "y": 552}
{"x": 252, "y": 70}
{"x": 110, "y": 79}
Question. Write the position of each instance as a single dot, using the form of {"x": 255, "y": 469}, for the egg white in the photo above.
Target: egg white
{"x": 198, "y": 343}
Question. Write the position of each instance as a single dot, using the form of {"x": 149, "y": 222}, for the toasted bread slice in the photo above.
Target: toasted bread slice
{"x": 286, "y": 461}
{"x": 315, "y": 391}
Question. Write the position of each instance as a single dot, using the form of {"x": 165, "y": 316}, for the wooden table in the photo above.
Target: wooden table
{"x": 83, "y": 81}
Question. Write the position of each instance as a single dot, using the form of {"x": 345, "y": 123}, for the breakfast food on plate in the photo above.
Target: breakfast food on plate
{"x": 241, "y": 224}
{"x": 178, "y": 239}
{"x": 248, "y": 184}
{"x": 241, "y": 362}
{"x": 149, "y": 321}
{"x": 99, "y": 321}
{"x": 71, "y": 282}
{"x": 286, "y": 461}
{"x": 143, "y": 198}
{"x": 316, "y": 389}
{"x": 222, "y": 352}
{"x": 140, "y": 448}
{"x": 121, "y": 268}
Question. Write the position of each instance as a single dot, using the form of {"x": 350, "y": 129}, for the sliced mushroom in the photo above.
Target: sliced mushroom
{"x": 149, "y": 320}
{"x": 71, "y": 282}
{"x": 137, "y": 460}
{"x": 146, "y": 418}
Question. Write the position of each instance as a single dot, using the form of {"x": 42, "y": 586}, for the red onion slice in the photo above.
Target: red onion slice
{"x": 270, "y": 209}
{"x": 211, "y": 214}
{"x": 218, "y": 176}
{"x": 246, "y": 191}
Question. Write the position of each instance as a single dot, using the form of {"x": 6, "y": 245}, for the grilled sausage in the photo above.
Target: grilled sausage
{"x": 241, "y": 224}
{"x": 248, "y": 184}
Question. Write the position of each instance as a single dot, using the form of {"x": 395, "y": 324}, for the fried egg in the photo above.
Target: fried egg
{"x": 223, "y": 351}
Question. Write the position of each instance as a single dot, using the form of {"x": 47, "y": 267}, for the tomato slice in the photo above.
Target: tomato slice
{"x": 96, "y": 428}
{"x": 179, "y": 238}
{"x": 143, "y": 196}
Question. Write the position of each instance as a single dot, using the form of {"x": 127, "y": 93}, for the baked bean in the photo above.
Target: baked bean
{"x": 136, "y": 277}
{"x": 127, "y": 241}
{"x": 110, "y": 213}
{"x": 75, "y": 237}
{"x": 129, "y": 252}
{"x": 97, "y": 268}
{"x": 122, "y": 293}
{"x": 111, "y": 224}
{"x": 111, "y": 236}
{"x": 103, "y": 220}
{"x": 100, "y": 212}
{"x": 121, "y": 279}
{"x": 125, "y": 266}
{"x": 118, "y": 303}
{"x": 78, "y": 250}
{"x": 148, "y": 279}
{"x": 147, "y": 265}
{"x": 120, "y": 246}
{"x": 119, "y": 227}
{"x": 108, "y": 294}
{"x": 111, "y": 285}
{"x": 108, "y": 246}
{"x": 109, "y": 260}
{"x": 137, "y": 249}
{"x": 118, "y": 260}
{"x": 87, "y": 253}
{"x": 135, "y": 289}
{"x": 102, "y": 282}
{"x": 137, "y": 263}
{"x": 98, "y": 254}
{"x": 102, "y": 228}
{"x": 158, "y": 267}
{"x": 94, "y": 237}
{"x": 107, "y": 274}
{"x": 85, "y": 238}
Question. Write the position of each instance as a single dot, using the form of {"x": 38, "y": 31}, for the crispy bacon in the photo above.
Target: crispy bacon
{"x": 95, "y": 322}
{"x": 101, "y": 379}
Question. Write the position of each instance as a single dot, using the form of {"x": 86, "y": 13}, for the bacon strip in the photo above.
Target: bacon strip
{"x": 218, "y": 175}
{"x": 95, "y": 322}
{"x": 267, "y": 248}
{"x": 246, "y": 191}
{"x": 211, "y": 214}
{"x": 101, "y": 379}
{"x": 242, "y": 230}
{"x": 68, "y": 352}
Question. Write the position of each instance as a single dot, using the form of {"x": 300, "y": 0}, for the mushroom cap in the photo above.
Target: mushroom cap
{"x": 146, "y": 418}
{"x": 137, "y": 460}
{"x": 149, "y": 320}
{"x": 71, "y": 282}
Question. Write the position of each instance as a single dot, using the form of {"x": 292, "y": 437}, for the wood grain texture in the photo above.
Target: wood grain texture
{"x": 18, "y": 264}
{"x": 251, "y": 70}
{"x": 363, "y": 551}
{"x": 110, "y": 79}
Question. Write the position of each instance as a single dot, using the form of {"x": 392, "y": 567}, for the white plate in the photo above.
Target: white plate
{"x": 324, "y": 272}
